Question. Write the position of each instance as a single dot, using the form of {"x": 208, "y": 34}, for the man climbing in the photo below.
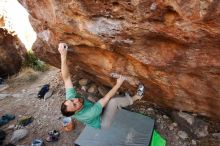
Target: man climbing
{"x": 91, "y": 113}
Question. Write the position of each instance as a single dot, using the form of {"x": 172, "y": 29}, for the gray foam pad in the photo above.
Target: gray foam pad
{"x": 128, "y": 129}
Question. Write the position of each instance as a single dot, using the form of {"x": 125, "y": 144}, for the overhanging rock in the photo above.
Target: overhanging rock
{"x": 173, "y": 47}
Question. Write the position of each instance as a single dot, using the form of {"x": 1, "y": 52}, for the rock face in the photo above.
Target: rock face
{"x": 172, "y": 46}
{"x": 12, "y": 52}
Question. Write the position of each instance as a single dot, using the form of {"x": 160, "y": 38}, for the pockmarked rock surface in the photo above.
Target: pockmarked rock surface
{"x": 12, "y": 53}
{"x": 171, "y": 46}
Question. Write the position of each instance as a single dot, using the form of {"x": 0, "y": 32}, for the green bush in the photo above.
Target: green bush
{"x": 32, "y": 61}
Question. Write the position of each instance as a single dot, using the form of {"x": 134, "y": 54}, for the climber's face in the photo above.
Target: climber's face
{"x": 75, "y": 104}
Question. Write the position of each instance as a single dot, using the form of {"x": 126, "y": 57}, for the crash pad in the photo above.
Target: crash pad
{"x": 157, "y": 139}
{"x": 127, "y": 129}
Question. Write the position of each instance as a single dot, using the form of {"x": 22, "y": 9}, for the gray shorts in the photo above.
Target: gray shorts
{"x": 112, "y": 107}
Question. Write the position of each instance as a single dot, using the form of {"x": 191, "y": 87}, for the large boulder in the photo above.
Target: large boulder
{"x": 171, "y": 46}
{"x": 12, "y": 53}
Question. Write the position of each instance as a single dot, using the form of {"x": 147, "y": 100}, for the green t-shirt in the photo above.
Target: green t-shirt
{"x": 90, "y": 114}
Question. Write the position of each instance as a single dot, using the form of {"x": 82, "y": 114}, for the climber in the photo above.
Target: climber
{"x": 87, "y": 112}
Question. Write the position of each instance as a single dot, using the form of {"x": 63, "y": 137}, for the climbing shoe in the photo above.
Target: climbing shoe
{"x": 140, "y": 90}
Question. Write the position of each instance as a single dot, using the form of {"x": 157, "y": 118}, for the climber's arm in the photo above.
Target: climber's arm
{"x": 64, "y": 67}
{"x": 103, "y": 101}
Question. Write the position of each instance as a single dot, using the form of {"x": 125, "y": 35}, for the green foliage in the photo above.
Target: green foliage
{"x": 32, "y": 61}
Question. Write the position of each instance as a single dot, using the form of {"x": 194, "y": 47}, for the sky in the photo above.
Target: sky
{"x": 17, "y": 20}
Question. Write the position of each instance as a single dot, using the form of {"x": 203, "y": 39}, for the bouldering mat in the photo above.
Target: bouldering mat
{"x": 127, "y": 129}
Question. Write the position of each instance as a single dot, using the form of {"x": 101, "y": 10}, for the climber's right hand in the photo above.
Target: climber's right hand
{"x": 62, "y": 48}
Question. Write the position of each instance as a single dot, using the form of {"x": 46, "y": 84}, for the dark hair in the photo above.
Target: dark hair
{"x": 64, "y": 110}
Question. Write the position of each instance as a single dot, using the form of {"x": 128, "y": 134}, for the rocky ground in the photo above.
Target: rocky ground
{"x": 179, "y": 129}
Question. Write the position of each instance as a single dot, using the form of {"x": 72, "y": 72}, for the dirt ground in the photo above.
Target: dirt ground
{"x": 47, "y": 116}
